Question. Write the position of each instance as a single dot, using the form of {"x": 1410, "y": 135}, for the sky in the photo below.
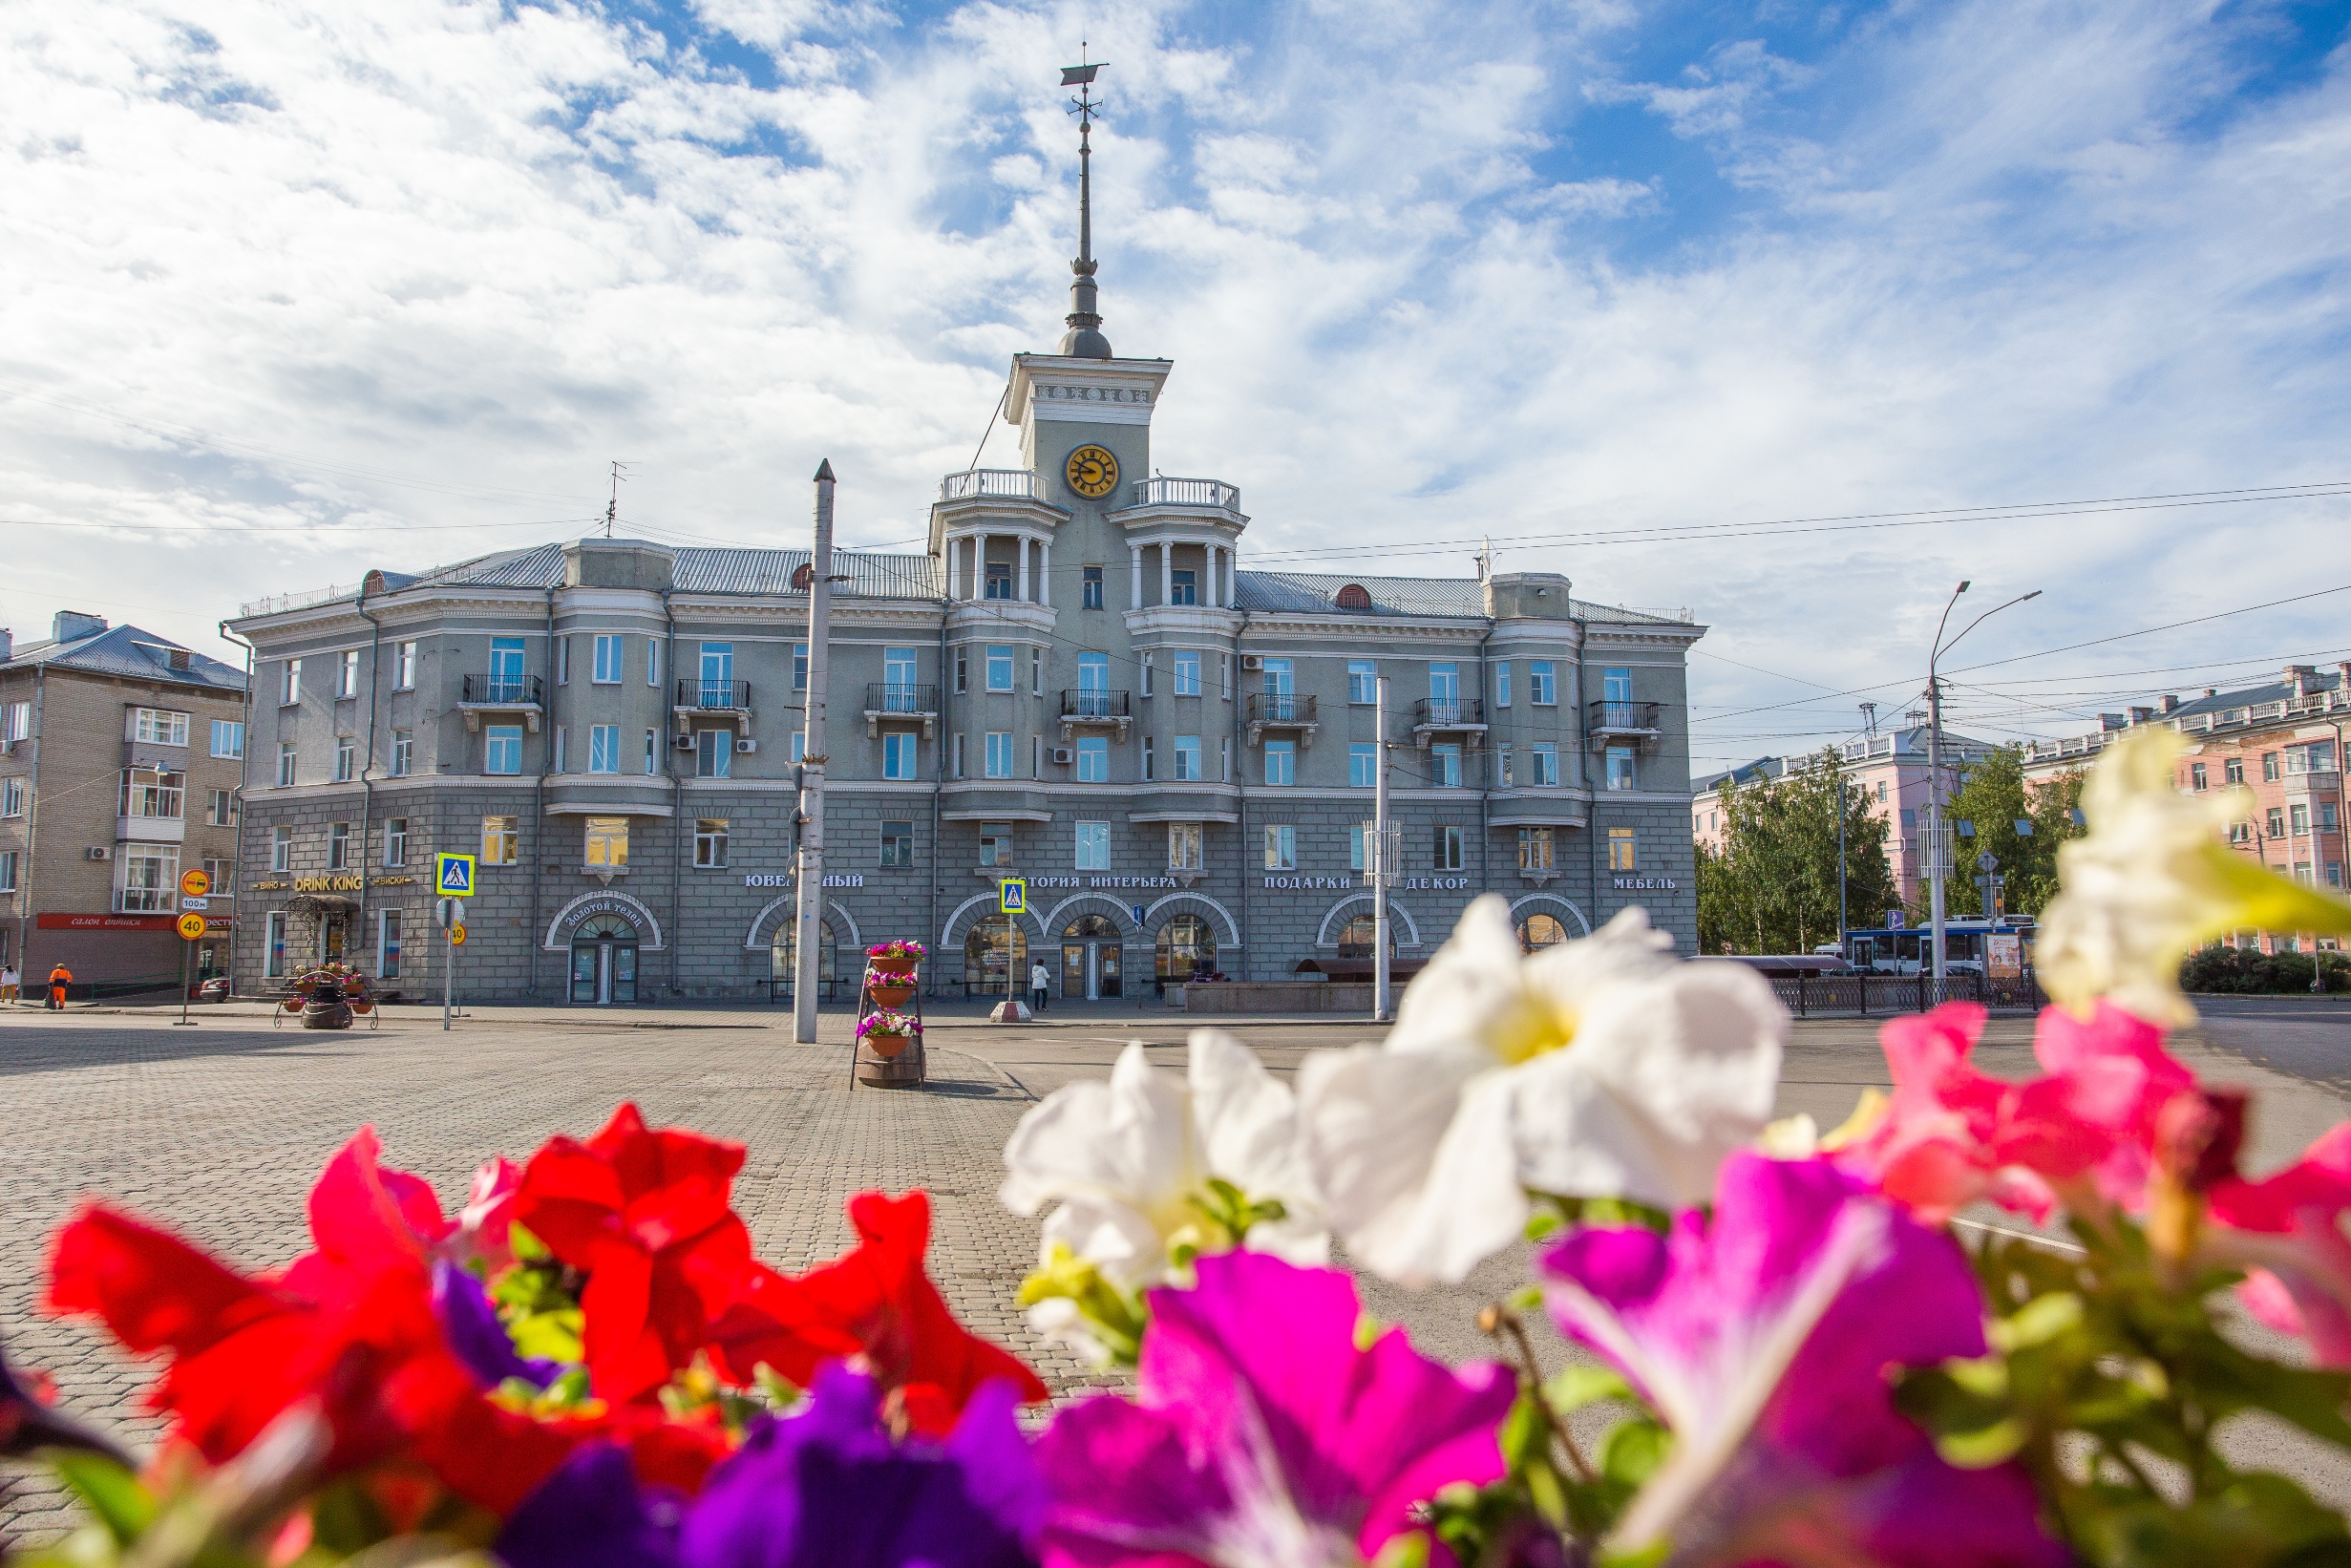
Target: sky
{"x": 1790, "y": 316}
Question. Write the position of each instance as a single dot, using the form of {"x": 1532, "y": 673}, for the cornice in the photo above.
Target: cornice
{"x": 1452, "y": 629}
{"x": 1199, "y": 620}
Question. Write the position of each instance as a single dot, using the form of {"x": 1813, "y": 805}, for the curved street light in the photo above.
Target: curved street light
{"x": 1934, "y": 765}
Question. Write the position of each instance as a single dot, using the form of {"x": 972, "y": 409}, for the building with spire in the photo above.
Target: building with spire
{"x": 1075, "y": 683}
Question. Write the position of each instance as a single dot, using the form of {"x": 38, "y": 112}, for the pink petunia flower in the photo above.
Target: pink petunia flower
{"x": 1261, "y": 1433}
{"x": 489, "y": 1212}
{"x": 2287, "y": 1232}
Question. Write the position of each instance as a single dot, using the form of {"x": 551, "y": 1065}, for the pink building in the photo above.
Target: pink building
{"x": 1890, "y": 768}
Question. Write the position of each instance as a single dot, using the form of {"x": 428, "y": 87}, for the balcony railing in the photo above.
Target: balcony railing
{"x": 1089, "y": 703}
{"x": 1018, "y": 484}
{"x": 1187, "y": 492}
{"x": 1449, "y": 713}
{"x": 1280, "y": 708}
{"x": 1622, "y": 718}
{"x": 733, "y": 696}
{"x": 888, "y": 697}
{"x": 502, "y": 691}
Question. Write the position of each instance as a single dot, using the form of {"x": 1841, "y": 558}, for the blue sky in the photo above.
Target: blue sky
{"x": 289, "y": 290}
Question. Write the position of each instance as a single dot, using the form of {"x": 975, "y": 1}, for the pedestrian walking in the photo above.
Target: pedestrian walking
{"x": 1040, "y": 986}
{"x": 59, "y": 978}
{"x": 9, "y": 981}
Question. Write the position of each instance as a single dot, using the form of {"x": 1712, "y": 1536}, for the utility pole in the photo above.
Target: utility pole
{"x": 1934, "y": 764}
{"x": 811, "y": 902}
{"x": 1378, "y": 856}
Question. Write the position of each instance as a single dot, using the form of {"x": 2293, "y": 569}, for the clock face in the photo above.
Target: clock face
{"x": 1092, "y": 471}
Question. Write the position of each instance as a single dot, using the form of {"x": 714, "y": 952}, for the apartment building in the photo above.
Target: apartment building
{"x": 120, "y": 756}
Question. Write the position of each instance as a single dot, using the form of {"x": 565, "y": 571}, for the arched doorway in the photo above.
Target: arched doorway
{"x": 782, "y": 955}
{"x": 1539, "y": 931}
{"x": 1359, "y": 938}
{"x": 1089, "y": 955}
{"x": 1186, "y": 946}
{"x": 604, "y": 961}
{"x": 985, "y": 971}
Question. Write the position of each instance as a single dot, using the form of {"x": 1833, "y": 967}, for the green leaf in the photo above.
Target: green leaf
{"x": 550, "y": 1336}
{"x": 1575, "y": 1387}
{"x": 1986, "y": 1446}
{"x": 113, "y": 1495}
{"x": 1632, "y": 1451}
{"x": 2038, "y": 1321}
{"x": 526, "y": 1247}
{"x": 1407, "y": 1550}
{"x": 1525, "y": 1433}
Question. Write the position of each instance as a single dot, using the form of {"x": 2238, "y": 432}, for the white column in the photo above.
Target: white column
{"x": 1167, "y": 571}
{"x": 955, "y": 563}
{"x": 1135, "y": 595}
{"x": 1216, "y": 577}
{"x": 1020, "y": 590}
{"x": 1045, "y": 572}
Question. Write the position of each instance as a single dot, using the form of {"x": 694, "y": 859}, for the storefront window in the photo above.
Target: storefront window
{"x": 1537, "y": 931}
{"x": 1359, "y": 938}
{"x": 1187, "y": 947}
{"x": 985, "y": 950}
{"x": 784, "y": 950}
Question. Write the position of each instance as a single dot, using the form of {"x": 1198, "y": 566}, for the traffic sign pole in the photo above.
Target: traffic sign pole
{"x": 449, "y": 974}
{"x": 194, "y": 887}
{"x": 184, "y": 1020}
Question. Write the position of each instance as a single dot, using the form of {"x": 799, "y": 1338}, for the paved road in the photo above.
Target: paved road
{"x": 219, "y": 1129}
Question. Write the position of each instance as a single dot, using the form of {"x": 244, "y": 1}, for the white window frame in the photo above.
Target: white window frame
{"x": 1186, "y": 670}
{"x": 289, "y": 689}
{"x": 1542, "y": 682}
{"x": 1187, "y": 847}
{"x": 603, "y": 748}
{"x": 403, "y": 752}
{"x": 999, "y": 654}
{"x": 280, "y": 850}
{"x": 1287, "y": 751}
{"x": 710, "y": 843}
{"x": 387, "y": 944}
{"x": 492, "y": 735}
{"x": 1093, "y": 848}
{"x": 395, "y": 841}
{"x": 1501, "y": 683}
{"x": 1093, "y": 760}
{"x": 346, "y": 759}
{"x": 901, "y": 753}
{"x": 346, "y": 673}
{"x": 233, "y": 732}
{"x": 159, "y": 726}
{"x": 404, "y": 666}
{"x": 7, "y": 871}
{"x": 1186, "y": 747}
{"x": 1280, "y": 846}
{"x": 1546, "y": 764}
{"x": 289, "y": 764}
{"x": 608, "y": 659}
{"x": 12, "y": 797}
{"x": 338, "y": 846}
{"x": 273, "y": 945}
{"x": 997, "y": 759}
{"x": 1366, "y": 751}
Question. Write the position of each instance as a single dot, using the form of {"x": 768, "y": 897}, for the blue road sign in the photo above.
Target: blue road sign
{"x": 454, "y": 875}
{"x": 1012, "y": 896}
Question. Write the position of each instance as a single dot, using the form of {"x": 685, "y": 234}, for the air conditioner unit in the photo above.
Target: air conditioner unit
{"x": 747, "y": 744}
{"x": 1062, "y": 754}
{"x": 686, "y": 743}
{"x": 1253, "y": 661}
{"x": 98, "y": 852}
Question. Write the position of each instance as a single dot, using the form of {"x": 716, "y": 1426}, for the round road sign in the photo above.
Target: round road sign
{"x": 195, "y": 884}
{"x": 192, "y": 926}
{"x": 457, "y": 934}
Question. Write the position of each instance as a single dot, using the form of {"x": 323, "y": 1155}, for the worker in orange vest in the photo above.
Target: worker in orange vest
{"x": 59, "y": 978}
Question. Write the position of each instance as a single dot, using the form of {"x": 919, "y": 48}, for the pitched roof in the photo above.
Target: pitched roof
{"x": 727, "y": 570}
{"x": 1317, "y": 593}
{"x": 132, "y": 654}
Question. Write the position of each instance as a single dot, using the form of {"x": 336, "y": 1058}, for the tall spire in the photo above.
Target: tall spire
{"x": 1084, "y": 340}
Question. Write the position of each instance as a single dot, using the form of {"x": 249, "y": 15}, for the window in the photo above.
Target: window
{"x": 710, "y": 843}
{"x": 1183, "y": 846}
{"x": 2298, "y": 815}
{"x": 999, "y": 584}
{"x": 160, "y": 727}
{"x": 16, "y": 721}
{"x": 1449, "y": 849}
{"x": 1281, "y": 847}
{"x": 1546, "y": 761}
{"x": 560, "y": 750}
{"x": 2333, "y": 873}
{"x": 404, "y": 666}
{"x": 2269, "y": 767}
{"x": 1364, "y": 764}
{"x": 1445, "y": 766}
{"x": 652, "y": 662}
{"x": 605, "y": 670}
{"x": 1444, "y": 690}
{"x": 1622, "y": 855}
{"x": 2327, "y": 816}
{"x": 13, "y": 797}
{"x": 1359, "y": 842}
{"x": 396, "y": 840}
{"x": 2277, "y": 823}
{"x": 1092, "y": 600}
{"x": 2232, "y": 770}
{"x": 1535, "y": 849}
{"x": 286, "y": 763}
{"x": 1224, "y": 674}
{"x": 1282, "y": 762}
{"x": 1620, "y": 768}
{"x": 7, "y": 871}
{"x": 1036, "y": 757}
{"x": 346, "y": 759}
{"x": 1150, "y": 769}
{"x": 1224, "y": 751}
{"x": 506, "y": 684}
{"x": 958, "y": 754}
{"x": 714, "y": 753}
{"x": 501, "y": 840}
{"x": 999, "y": 759}
{"x": 219, "y": 808}
{"x": 898, "y": 843}
{"x": 1187, "y": 673}
{"x": 1093, "y": 846}
{"x": 1187, "y": 758}
{"x": 717, "y": 675}
{"x": 962, "y": 671}
{"x": 899, "y": 748}
{"x": 999, "y": 666}
{"x": 607, "y": 842}
{"x": 799, "y": 667}
{"x": 149, "y": 880}
{"x": 1093, "y": 684}
{"x": 2303, "y": 874}
{"x": 1280, "y": 681}
{"x": 603, "y": 748}
{"x": 290, "y": 686}
{"x": 1616, "y": 685}
{"x": 2196, "y": 777}
{"x": 273, "y": 949}
{"x": 281, "y": 849}
{"x": 338, "y": 846}
{"x": 1882, "y": 788}
{"x": 1501, "y": 685}
{"x": 995, "y": 843}
{"x": 1145, "y": 675}
{"x": 346, "y": 674}
{"x": 227, "y": 738}
{"x": 2321, "y": 756}
{"x": 1036, "y": 672}
{"x": 387, "y": 944}
{"x": 1503, "y": 775}
{"x": 652, "y": 749}
{"x": 1184, "y": 588}
{"x": 1093, "y": 760}
{"x": 1542, "y": 685}
{"x": 898, "y": 667}
{"x": 562, "y": 660}
{"x": 403, "y": 752}
{"x": 223, "y": 875}
{"x": 501, "y": 751}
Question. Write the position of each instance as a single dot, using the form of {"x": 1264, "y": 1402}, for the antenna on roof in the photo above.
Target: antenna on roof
{"x": 612, "y": 508}
{"x": 1485, "y": 559}
{"x": 1869, "y": 718}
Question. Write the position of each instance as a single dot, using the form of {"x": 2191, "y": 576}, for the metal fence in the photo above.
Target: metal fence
{"x": 1878, "y": 996}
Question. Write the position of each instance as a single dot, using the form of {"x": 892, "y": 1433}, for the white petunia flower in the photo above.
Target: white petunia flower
{"x": 1603, "y": 1068}
{"x": 1150, "y": 1171}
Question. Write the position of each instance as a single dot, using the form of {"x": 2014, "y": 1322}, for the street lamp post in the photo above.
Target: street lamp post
{"x": 1934, "y": 765}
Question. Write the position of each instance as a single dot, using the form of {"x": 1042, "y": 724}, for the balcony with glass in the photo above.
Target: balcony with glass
{"x": 153, "y": 808}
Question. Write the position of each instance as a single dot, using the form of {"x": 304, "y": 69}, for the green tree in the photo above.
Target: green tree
{"x": 1772, "y": 887}
{"x": 1993, "y": 797}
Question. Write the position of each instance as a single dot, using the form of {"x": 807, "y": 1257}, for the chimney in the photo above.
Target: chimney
{"x": 2167, "y": 704}
{"x": 2212, "y": 691}
{"x": 7, "y": 644}
{"x": 2301, "y": 678}
{"x": 72, "y": 626}
{"x": 2140, "y": 715}
{"x": 2112, "y": 721}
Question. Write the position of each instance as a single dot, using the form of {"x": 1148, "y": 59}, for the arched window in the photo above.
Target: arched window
{"x": 803, "y": 576}
{"x": 984, "y": 954}
{"x": 781, "y": 955}
{"x": 1186, "y": 946}
{"x": 1359, "y": 938}
{"x": 1090, "y": 928}
{"x": 1540, "y": 931}
{"x": 1354, "y": 596}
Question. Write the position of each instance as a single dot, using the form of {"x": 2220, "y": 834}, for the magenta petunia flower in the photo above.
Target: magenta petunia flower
{"x": 1764, "y": 1339}
{"x": 1260, "y": 1433}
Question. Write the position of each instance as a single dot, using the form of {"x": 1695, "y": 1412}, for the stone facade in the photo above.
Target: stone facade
{"x": 1073, "y": 684}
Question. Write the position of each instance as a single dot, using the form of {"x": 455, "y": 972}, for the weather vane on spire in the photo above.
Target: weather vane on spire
{"x": 1084, "y": 340}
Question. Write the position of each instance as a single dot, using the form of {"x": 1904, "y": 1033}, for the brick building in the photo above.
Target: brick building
{"x": 118, "y": 770}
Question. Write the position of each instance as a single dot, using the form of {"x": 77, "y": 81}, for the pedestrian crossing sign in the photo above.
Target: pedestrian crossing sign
{"x": 1012, "y": 896}
{"x": 453, "y": 876}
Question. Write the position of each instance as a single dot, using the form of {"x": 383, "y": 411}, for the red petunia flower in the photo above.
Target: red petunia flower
{"x": 875, "y": 1303}
{"x": 644, "y": 1215}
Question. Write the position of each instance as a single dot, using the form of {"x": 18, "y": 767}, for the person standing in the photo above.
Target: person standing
{"x": 59, "y": 978}
{"x": 1040, "y": 986}
{"x": 8, "y": 981}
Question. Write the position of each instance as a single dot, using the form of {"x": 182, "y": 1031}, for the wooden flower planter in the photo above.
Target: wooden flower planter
{"x": 889, "y": 1061}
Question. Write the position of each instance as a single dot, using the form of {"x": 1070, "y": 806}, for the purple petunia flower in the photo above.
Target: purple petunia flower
{"x": 1260, "y": 1434}
{"x": 472, "y": 1326}
{"x": 592, "y": 1514}
{"x": 1764, "y": 1340}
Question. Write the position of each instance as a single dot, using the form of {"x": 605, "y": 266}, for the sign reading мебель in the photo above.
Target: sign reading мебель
{"x": 1644, "y": 884}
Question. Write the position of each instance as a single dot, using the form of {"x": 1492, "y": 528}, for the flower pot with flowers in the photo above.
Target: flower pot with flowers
{"x": 324, "y": 994}
{"x": 887, "y": 1032}
{"x": 889, "y": 991}
{"x": 897, "y": 956}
